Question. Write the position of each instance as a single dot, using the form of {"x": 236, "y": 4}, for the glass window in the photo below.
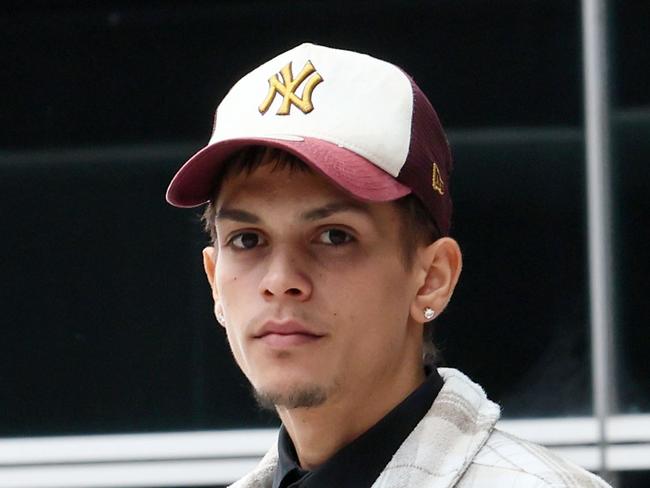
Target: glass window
{"x": 631, "y": 151}
{"x": 107, "y": 317}
{"x": 519, "y": 321}
{"x": 634, "y": 479}
{"x": 110, "y": 318}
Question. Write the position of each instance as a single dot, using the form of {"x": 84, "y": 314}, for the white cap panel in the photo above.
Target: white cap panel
{"x": 379, "y": 122}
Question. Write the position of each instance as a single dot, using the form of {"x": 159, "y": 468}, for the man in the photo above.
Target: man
{"x": 327, "y": 183}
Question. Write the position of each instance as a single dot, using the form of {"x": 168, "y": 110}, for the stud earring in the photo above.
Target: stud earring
{"x": 429, "y": 313}
{"x": 220, "y": 318}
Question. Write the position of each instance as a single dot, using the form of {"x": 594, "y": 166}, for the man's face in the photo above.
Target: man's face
{"x": 313, "y": 287}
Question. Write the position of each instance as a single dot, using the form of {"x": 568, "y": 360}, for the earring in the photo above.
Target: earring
{"x": 429, "y": 313}
{"x": 220, "y": 318}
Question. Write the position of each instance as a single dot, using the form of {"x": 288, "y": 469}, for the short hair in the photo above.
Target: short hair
{"x": 417, "y": 226}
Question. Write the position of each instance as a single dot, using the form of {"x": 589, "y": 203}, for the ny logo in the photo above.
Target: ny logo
{"x": 436, "y": 180}
{"x": 287, "y": 88}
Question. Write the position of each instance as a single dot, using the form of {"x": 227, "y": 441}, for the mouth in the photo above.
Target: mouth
{"x": 286, "y": 334}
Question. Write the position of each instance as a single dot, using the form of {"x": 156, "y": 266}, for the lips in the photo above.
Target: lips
{"x": 286, "y": 334}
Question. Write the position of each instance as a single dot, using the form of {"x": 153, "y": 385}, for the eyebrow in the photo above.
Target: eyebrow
{"x": 237, "y": 215}
{"x": 325, "y": 211}
{"x": 335, "y": 207}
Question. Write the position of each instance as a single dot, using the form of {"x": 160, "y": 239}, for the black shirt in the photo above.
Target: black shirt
{"x": 360, "y": 463}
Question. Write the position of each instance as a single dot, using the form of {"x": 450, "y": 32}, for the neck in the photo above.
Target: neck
{"x": 318, "y": 433}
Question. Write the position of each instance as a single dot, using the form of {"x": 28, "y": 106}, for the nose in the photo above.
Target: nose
{"x": 284, "y": 279}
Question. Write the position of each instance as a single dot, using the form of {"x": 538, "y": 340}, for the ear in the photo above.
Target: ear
{"x": 439, "y": 266}
{"x": 209, "y": 265}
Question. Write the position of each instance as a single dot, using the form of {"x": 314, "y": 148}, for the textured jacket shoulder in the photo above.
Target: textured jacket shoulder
{"x": 521, "y": 463}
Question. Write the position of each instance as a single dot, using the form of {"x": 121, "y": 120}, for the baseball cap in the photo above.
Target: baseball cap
{"x": 360, "y": 121}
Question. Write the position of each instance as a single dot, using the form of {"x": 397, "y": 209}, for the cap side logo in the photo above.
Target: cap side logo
{"x": 287, "y": 88}
{"x": 436, "y": 180}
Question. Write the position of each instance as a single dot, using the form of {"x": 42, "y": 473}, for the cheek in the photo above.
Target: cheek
{"x": 382, "y": 303}
{"x": 363, "y": 302}
{"x": 234, "y": 287}
{"x": 236, "y": 343}
{"x": 380, "y": 286}
{"x": 230, "y": 281}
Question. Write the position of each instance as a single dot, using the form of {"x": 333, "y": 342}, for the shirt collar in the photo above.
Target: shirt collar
{"x": 361, "y": 462}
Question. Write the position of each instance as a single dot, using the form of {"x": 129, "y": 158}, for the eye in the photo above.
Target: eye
{"x": 335, "y": 237}
{"x": 247, "y": 240}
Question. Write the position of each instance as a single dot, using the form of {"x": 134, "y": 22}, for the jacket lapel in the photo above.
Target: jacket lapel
{"x": 262, "y": 475}
{"x": 442, "y": 446}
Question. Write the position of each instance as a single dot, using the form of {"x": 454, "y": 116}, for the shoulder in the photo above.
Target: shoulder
{"x": 506, "y": 458}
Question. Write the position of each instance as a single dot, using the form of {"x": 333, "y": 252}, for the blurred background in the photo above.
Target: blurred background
{"x": 112, "y": 369}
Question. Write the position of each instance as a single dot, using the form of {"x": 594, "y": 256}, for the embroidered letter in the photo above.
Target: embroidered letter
{"x": 287, "y": 88}
{"x": 436, "y": 180}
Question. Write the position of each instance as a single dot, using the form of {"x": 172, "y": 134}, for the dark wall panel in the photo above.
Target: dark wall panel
{"x": 518, "y": 322}
{"x": 156, "y": 70}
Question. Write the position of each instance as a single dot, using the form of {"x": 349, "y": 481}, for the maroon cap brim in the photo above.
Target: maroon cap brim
{"x": 194, "y": 183}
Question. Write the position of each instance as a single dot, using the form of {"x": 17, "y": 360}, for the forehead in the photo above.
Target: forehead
{"x": 269, "y": 191}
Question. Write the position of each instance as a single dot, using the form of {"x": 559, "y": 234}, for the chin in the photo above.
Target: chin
{"x": 298, "y": 398}
{"x": 291, "y": 396}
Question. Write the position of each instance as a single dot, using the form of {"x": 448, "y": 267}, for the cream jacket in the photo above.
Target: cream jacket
{"x": 457, "y": 445}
